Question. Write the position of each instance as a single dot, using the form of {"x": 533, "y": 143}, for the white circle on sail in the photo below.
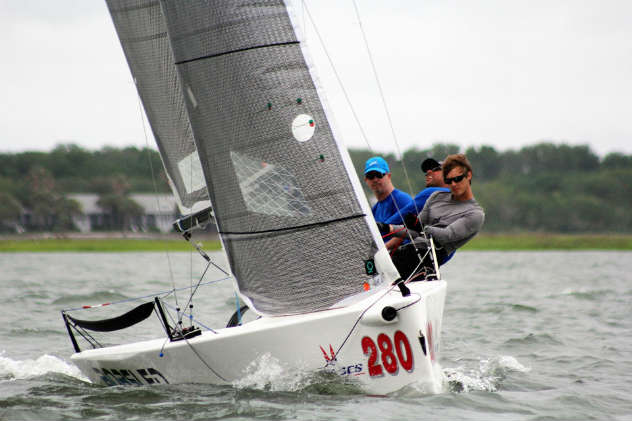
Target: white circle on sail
{"x": 303, "y": 127}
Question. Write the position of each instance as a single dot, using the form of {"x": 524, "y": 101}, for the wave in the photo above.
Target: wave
{"x": 35, "y": 332}
{"x": 586, "y": 293}
{"x": 11, "y": 369}
{"x": 487, "y": 378}
{"x": 523, "y": 307}
{"x": 531, "y": 338}
{"x": 501, "y": 307}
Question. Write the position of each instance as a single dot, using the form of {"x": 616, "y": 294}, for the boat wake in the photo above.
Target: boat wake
{"x": 11, "y": 369}
{"x": 267, "y": 373}
{"x": 488, "y": 377}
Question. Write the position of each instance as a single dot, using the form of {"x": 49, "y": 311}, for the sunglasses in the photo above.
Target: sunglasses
{"x": 373, "y": 174}
{"x": 435, "y": 169}
{"x": 456, "y": 179}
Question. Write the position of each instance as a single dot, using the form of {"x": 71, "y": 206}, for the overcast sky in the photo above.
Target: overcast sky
{"x": 505, "y": 73}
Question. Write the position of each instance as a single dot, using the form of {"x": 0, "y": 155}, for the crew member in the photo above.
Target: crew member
{"x": 390, "y": 200}
{"x": 450, "y": 218}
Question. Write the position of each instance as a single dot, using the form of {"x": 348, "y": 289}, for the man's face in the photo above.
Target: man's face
{"x": 377, "y": 181}
{"x": 458, "y": 179}
{"x": 434, "y": 177}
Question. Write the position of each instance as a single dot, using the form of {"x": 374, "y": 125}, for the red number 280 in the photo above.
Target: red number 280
{"x": 387, "y": 353}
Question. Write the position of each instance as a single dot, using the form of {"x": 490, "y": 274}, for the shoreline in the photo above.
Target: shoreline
{"x": 103, "y": 242}
{"x": 549, "y": 242}
{"x": 134, "y": 242}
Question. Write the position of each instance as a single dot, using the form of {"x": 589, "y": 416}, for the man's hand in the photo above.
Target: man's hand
{"x": 384, "y": 228}
{"x": 411, "y": 222}
{"x": 428, "y": 230}
{"x": 393, "y": 243}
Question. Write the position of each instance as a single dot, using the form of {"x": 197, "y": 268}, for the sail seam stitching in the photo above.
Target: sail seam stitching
{"x": 297, "y": 227}
{"x": 236, "y": 51}
{"x": 141, "y": 6}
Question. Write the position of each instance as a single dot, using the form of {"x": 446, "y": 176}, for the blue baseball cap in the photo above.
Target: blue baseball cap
{"x": 377, "y": 163}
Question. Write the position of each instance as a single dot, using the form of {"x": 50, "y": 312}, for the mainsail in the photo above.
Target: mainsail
{"x": 141, "y": 29}
{"x": 283, "y": 191}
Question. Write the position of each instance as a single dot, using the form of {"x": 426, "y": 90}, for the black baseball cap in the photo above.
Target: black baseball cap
{"x": 430, "y": 164}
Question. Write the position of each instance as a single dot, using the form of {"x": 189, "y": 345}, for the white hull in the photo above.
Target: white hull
{"x": 382, "y": 356}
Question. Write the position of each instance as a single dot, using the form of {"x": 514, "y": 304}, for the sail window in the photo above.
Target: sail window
{"x": 303, "y": 127}
{"x": 267, "y": 188}
{"x": 191, "y": 172}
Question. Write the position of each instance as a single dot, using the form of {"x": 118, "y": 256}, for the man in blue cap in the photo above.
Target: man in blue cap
{"x": 377, "y": 176}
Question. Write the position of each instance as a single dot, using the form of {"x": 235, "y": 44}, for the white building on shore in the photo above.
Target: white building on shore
{"x": 159, "y": 212}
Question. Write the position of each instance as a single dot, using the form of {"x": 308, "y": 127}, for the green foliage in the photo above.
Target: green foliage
{"x": 539, "y": 188}
{"x": 617, "y": 160}
{"x": 74, "y": 168}
{"x": 50, "y": 209}
{"x": 534, "y": 241}
{"x": 39, "y": 182}
{"x": 9, "y": 211}
{"x": 116, "y": 245}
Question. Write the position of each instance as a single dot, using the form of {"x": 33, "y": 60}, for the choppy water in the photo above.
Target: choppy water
{"x": 526, "y": 336}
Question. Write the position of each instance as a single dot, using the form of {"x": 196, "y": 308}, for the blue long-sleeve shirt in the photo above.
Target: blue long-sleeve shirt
{"x": 386, "y": 209}
{"x": 415, "y": 206}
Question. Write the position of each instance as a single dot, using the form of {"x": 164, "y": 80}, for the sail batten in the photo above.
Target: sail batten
{"x": 236, "y": 51}
{"x": 295, "y": 228}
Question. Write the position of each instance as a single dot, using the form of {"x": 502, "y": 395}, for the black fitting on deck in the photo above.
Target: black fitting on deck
{"x": 389, "y": 313}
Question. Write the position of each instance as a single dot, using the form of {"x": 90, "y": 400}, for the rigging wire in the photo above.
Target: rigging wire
{"x": 389, "y": 119}
{"x": 350, "y": 104}
{"x": 192, "y": 349}
{"x": 391, "y": 288}
{"x": 208, "y": 264}
{"x": 153, "y": 180}
{"x": 161, "y": 293}
{"x": 204, "y": 361}
{"x": 338, "y": 79}
{"x": 383, "y": 98}
{"x": 210, "y": 329}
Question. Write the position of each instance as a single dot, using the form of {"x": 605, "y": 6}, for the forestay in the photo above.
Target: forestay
{"x": 141, "y": 29}
{"x": 297, "y": 236}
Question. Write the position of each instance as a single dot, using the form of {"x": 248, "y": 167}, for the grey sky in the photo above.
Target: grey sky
{"x": 501, "y": 72}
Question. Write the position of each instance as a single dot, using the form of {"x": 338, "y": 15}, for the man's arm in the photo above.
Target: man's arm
{"x": 424, "y": 215}
{"x": 461, "y": 229}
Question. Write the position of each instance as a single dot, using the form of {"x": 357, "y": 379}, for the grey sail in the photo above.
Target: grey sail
{"x": 141, "y": 29}
{"x": 295, "y": 233}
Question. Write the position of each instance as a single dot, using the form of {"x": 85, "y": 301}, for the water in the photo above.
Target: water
{"x": 527, "y": 336}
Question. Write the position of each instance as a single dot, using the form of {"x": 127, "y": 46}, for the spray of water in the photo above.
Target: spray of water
{"x": 11, "y": 369}
{"x": 488, "y": 377}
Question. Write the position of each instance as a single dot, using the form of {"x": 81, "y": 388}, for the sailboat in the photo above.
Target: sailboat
{"x": 248, "y": 142}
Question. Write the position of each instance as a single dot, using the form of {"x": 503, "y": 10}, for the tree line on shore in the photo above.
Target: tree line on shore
{"x": 539, "y": 188}
{"x": 543, "y": 187}
{"x": 38, "y": 184}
